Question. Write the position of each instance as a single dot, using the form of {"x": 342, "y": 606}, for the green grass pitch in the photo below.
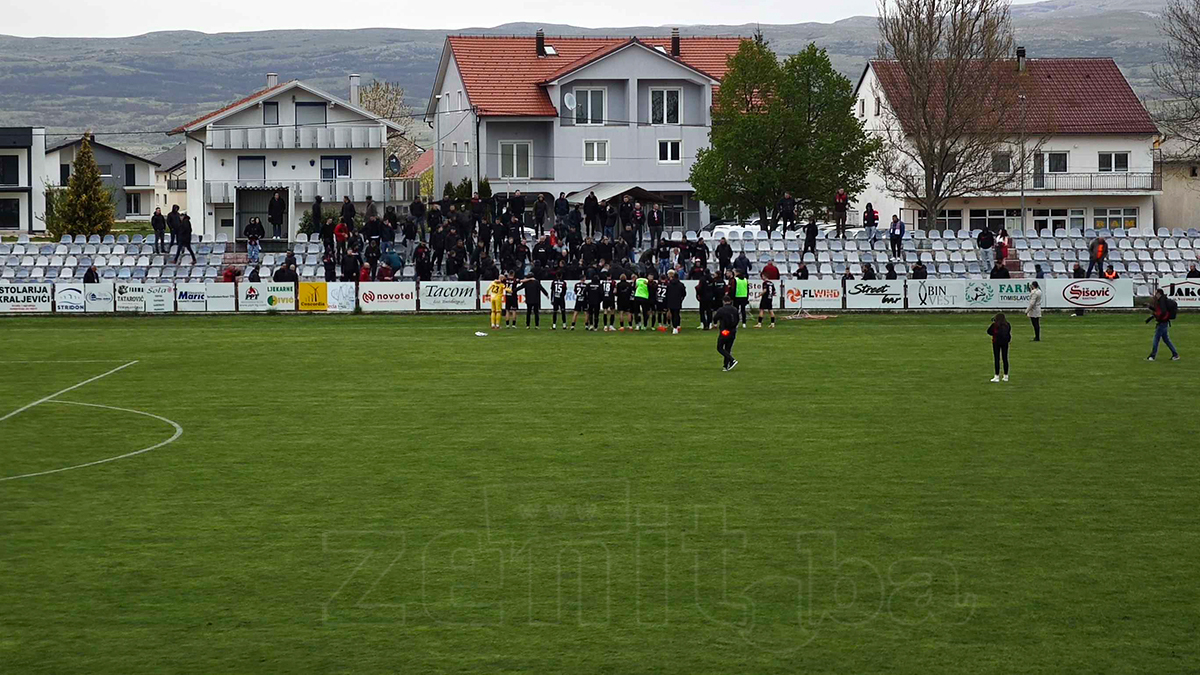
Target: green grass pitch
{"x": 368, "y": 494}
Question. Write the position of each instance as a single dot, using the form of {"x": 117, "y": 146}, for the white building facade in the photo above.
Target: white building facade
{"x": 22, "y": 179}
{"x": 1097, "y": 165}
{"x": 290, "y": 139}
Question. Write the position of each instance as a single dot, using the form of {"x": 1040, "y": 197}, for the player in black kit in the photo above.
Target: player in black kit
{"x": 581, "y": 304}
{"x": 595, "y": 295}
{"x": 726, "y": 319}
{"x": 623, "y": 291}
{"x": 608, "y": 295}
{"x": 558, "y": 301}
{"x": 767, "y": 304}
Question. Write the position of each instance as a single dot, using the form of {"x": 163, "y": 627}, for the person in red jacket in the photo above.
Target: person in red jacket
{"x": 229, "y": 275}
{"x": 770, "y": 271}
{"x": 364, "y": 274}
{"x": 341, "y": 234}
{"x": 385, "y": 272}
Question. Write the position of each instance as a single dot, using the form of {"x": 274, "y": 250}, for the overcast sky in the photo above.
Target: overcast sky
{"x": 117, "y": 18}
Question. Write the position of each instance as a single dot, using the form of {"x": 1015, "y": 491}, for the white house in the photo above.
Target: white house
{"x": 170, "y": 179}
{"x": 574, "y": 114}
{"x": 1098, "y": 166}
{"x": 289, "y": 138}
{"x": 22, "y": 179}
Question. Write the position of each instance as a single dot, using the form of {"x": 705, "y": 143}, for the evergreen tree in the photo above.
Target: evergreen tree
{"x": 86, "y": 207}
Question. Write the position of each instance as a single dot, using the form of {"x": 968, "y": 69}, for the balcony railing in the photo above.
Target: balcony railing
{"x": 328, "y": 137}
{"x": 1108, "y": 181}
{"x": 225, "y": 192}
{"x": 177, "y": 184}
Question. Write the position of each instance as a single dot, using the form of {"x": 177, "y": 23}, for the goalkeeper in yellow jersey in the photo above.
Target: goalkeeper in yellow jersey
{"x": 496, "y": 292}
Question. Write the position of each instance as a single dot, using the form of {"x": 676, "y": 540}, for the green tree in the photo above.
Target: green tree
{"x": 86, "y": 207}
{"x": 449, "y": 191}
{"x": 781, "y": 127}
{"x": 464, "y": 190}
{"x": 485, "y": 193}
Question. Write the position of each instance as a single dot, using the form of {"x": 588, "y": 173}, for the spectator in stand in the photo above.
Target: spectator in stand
{"x": 327, "y": 234}
{"x": 92, "y": 275}
{"x": 986, "y": 241}
{"x": 348, "y": 211}
{"x": 1034, "y": 309}
{"x": 417, "y": 211}
{"x": 639, "y": 222}
{"x": 841, "y": 203}
{"x": 373, "y": 255}
{"x": 159, "y": 223}
{"x": 254, "y": 232}
{"x": 1162, "y": 310}
{"x": 919, "y": 271}
{"x": 229, "y": 274}
{"x": 625, "y": 211}
{"x": 810, "y": 235}
{"x": 329, "y": 260}
{"x": 610, "y": 219}
{"x": 562, "y": 210}
{"x": 541, "y": 209}
{"x": 724, "y": 255}
{"x": 630, "y": 238}
{"x": 785, "y": 213}
{"x": 1111, "y": 273}
{"x": 1001, "y": 334}
{"x": 174, "y": 218}
{"x": 437, "y": 241}
{"x": 742, "y": 264}
{"x": 1097, "y": 253}
{"x": 802, "y": 272}
{"x": 870, "y": 222}
{"x": 351, "y": 264}
{"x": 280, "y": 275}
{"x": 341, "y": 235}
{"x": 1038, "y": 272}
{"x": 183, "y": 238}
{"x": 1077, "y": 272}
{"x": 1193, "y": 273}
{"x": 656, "y": 222}
{"x": 999, "y": 271}
{"x": 516, "y": 212}
{"x": 890, "y": 272}
{"x": 387, "y": 233}
{"x": 1003, "y": 245}
{"x": 868, "y": 273}
{"x": 575, "y": 220}
{"x": 769, "y": 271}
{"x": 848, "y": 275}
{"x": 276, "y": 214}
{"x": 896, "y": 237}
{"x": 364, "y": 273}
{"x": 291, "y": 258}
{"x": 372, "y": 210}
{"x": 255, "y": 274}
{"x": 386, "y": 273}
{"x": 591, "y": 213}
{"x": 421, "y": 264}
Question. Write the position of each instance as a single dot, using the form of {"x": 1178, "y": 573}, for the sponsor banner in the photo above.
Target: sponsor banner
{"x": 812, "y": 293}
{"x": 879, "y": 294}
{"x": 131, "y": 297}
{"x": 312, "y": 296}
{"x": 98, "y": 297}
{"x": 340, "y": 296}
{"x": 1087, "y": 293}
{"x": 220, "y": 296}
{"x": 937, "y": 293}
{"x": 262, "y": 296}
{"x": 388, "y": 296}
{"x": 20, "y": 298}
{"x": 448, "y": 296}
{"x": 160, "y": 298}
{"x": 1001, "y": 293}
{"x": 69, "y": 297}
{"x": 1184, "y": 291}
{"x": 191, "y": 296}
{"x": 281, "y": 297}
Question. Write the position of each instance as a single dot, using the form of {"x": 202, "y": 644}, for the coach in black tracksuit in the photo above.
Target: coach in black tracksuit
{"x": 726, "y": 319}
{"x": 676, "y": 292}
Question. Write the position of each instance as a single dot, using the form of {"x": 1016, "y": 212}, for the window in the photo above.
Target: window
{"x": 862, "y": 107}
{"x": 133, "y": 203}
{"x": 1104, "y": 217}
{"x": 454, "y": 154}
{"x": 64, "y": 174}
{"x": 514, "y": 159}
{"x": 664, "y": 106}
{"x": 462, "y": 103}
{"x": 105, "y": 170}
{"x": 443, "y": 154}
{"x": 1114, "y": 161}
{"x": 948, "y": 219}
{"x": 333, "y": 168}
{"x": 669, "y": 152}
{"x": 131, "y": 174}
{"x": 878, "y": 106}
{"x": 271, "y": 114}
{"x": 995, "y": 219}
{"x": 1001, "y": 162}
{"x": 10, "y": 170}
{"x": 252, "y": 168}
{"x": 1051, "y": 218}
{"x": 446, "y": 98}
{"x": 595, "y": 152}
{"x": 590, "y": 106}
{"x": 310, "y": 114}
{"x": 1056, "y": 162}
{"x": 467, "y": 153}
{"x": 10, "y": 213}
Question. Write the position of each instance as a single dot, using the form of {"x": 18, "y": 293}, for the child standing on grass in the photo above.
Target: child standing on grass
{"x": 1001, "y": 334}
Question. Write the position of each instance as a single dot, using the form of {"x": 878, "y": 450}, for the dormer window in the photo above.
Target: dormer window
{"x": 550, "y": 51}
{"x": 660, "y": 49}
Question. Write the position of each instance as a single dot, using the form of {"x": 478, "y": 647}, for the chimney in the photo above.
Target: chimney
{"x": 541, "y": 42}
{"x": 353, "y": 89}
{"x": 675, "y": 42}
{"x": 272, "y": 80}
{"x": 1020, "y": 59}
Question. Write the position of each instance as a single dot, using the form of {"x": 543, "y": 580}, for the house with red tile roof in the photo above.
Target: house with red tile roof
{"x": 578, "y": 115}
{"x": 1096, "y": 166}
{"x": 290, "y": 139}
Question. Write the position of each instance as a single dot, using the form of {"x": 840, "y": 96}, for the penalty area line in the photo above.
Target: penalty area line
{"x": 63, "y": 391}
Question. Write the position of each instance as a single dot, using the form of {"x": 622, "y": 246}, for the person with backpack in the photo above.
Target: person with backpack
{"x": 1001, "y": 333}
{"x": 1163, "y": 310}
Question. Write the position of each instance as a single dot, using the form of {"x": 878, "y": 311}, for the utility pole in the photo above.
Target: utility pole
{"x": 1021, "y": 98}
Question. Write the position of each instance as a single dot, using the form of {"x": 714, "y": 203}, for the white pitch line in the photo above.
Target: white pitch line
{"x": 2, "y": 363}
{"x": 58, "y": 393}
{"x": 178, "y": 433}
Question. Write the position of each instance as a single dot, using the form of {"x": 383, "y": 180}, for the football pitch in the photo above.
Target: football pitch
{"x": 395, "y": 494}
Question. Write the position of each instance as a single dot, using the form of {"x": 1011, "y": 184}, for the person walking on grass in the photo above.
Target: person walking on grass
{"x": 1163, "y": 310}
{"x": 676, "y": 292}
{"x": 726, "y": 319}
{"x": 1034, "y": 310}
{"x": 1001, "y": 334}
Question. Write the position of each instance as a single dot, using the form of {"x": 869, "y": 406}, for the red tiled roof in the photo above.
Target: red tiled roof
{"x": 1063, "y": 96}
{"x": 422, "y": 164}
{"x": 180, "y": 129}
{"x": 503, "y": 75}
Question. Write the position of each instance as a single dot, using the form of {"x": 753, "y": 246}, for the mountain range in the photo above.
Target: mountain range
{"x": 155, "y": 81}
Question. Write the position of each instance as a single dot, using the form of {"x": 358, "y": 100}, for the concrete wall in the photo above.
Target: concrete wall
{"x": 1179, "y": 204}
{"x": 454, "y": 127}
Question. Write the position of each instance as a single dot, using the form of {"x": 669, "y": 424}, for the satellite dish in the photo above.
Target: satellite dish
{"x": 569, "y": 100}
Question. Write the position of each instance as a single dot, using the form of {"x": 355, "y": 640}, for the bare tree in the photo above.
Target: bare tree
{"x": 386, "y": 101}
{"x": 953, "y": 123}
{"x": 1178, "y": 75}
